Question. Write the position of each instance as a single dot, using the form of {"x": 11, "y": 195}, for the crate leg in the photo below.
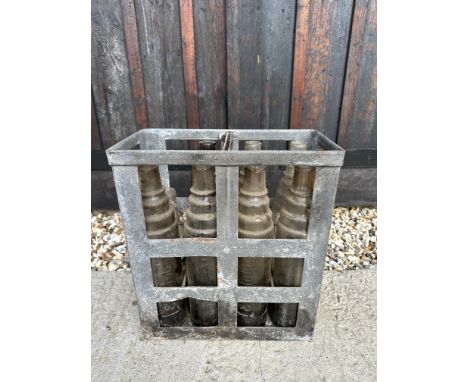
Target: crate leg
{"x": 129, "y": 195}
{"x": 323, "y": 202}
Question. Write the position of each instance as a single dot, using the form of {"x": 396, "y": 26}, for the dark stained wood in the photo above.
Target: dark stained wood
{"x": 110, "y": 74}
{"x": 357, "y": 187}
{"x": 99, "y": 161}
{"x": 322, "y": 33}
{"x": 133, "y": 56}
{"x": 244, "y": 75}
{"x": 260, "y": 38}
{"x": 161, "y": 57}
{"x": 95, "y": 138}
{"x": 103, "y": 194}
{"x": 244, "y": 54}
{"x": 188, "y": 54}
{"x": 358, "y": 125}
{"x": 360, "y": 158}
{"x": 209, "y": 18}
{"x": 300, "y": 46}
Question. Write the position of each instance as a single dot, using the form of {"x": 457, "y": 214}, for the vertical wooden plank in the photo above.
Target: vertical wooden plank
{"x": 358, "y": 124}
{"x": 322, "y": 34}
{"x": 209, "y": 18}
{"x": 275, "y": 60}
{"x": 158, "y": 25}
{"x": 134, "y": 62}
{"x": 110, "y": 74}
{"x": 300, "y": 45}
{"x": 260, "y": 39}
{"x": 188, "y": 54}
{"x": 95, "y": 138}
{"x": 244, "y": 73}
{"x": 276, "y": 57}
{"x": 260, "y": 36}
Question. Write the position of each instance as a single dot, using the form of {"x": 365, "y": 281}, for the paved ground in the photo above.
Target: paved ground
{"x": 343, "y": 349}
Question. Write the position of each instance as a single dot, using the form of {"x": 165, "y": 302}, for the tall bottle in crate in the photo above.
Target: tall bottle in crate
{"x": 293, "y": 224}
{"x": 255, "y": 222}
{"x": 162, "y": 223}
{"x": 201, "y": 222}
{"x": 285, "y": 182}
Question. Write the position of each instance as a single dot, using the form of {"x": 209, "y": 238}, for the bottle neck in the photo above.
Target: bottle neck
{"x": 203, "y": 180}
{"x": 150, "y": 180}
{"x": 303, "y": 181}
{"x": 203, "y": 176}
{"x": 254, "y": 181}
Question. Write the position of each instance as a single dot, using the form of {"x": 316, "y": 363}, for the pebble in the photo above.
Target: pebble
{"x": 352, "y": 240}
{"x": 108, "y": 244}
{"x": 114, "y": 265}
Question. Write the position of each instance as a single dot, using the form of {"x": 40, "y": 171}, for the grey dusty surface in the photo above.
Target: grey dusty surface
{"x": 343, "y": 348}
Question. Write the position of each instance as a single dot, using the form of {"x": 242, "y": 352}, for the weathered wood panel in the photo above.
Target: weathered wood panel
{"x": 358, "y": 125}
{"x": 260, "y": 39}
{"x": 322, "y": 35}
{"x": 210, "y": 46}
{"x": 188, "y": 55}
{"x": 242, "y": 61}
{"x": 134, "y": 61}
{"x": 357, "y": 187}
{"x": 110, "y": 73}
{"x": 95, "y": 138}
{"x": 161, "y": 57}
{"x": 103, "y": 194}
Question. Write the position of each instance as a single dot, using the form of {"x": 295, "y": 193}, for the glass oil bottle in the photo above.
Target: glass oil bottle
{"x": 162, "y": 223}
{"x": 285, "y": 182}
{"x": 293, "y": 224}
{"x": 201, "y": 222}
{"x": 255, "y": 222}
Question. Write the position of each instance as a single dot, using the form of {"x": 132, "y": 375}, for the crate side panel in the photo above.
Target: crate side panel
{"x": 129, "y": 196}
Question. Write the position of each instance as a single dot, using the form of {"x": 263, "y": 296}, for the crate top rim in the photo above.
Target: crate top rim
{"x": 326, "y": 153}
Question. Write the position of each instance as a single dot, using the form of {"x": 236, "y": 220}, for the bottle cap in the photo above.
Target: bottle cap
{"x": 297, "y": 145}
{"x": 207, "y": 145}
{"x": 252, "y": 145}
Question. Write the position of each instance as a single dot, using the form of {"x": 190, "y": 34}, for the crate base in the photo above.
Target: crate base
{"x": 268, "y": 332}
{"x": 237, "y": 333}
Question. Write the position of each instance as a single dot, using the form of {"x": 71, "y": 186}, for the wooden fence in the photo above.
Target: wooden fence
{"x": 240, "y": 64}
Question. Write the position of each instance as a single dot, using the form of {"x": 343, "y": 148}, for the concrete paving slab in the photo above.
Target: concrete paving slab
{"x": 343, "y": 348}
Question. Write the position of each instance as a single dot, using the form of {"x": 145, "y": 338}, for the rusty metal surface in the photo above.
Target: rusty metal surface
{"x": 323, "y": 154}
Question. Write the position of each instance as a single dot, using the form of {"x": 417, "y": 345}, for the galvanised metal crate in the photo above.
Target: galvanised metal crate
{"x": 148, "y": 147}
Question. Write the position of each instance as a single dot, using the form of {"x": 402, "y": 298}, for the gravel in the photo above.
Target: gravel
{"x": 108, "y": 245}
{"x": 353, "y": 239}
{"x": 352, "y": 244}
